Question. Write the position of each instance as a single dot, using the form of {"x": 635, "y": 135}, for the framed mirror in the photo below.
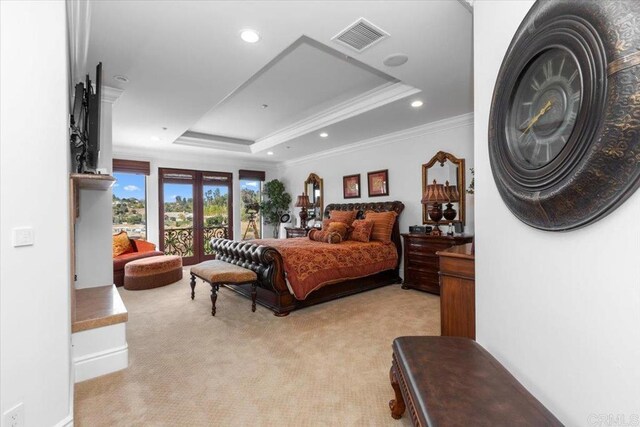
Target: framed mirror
{"x": 313, "y": 189}
{"x": 445, "y": 167}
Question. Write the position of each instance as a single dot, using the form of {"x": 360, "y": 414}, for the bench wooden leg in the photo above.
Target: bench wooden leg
{"x": 193, "y": 286}
{"x": 396, "y": 405}
{"x": 254, "y": 294}
{"x": 214, "y": 298}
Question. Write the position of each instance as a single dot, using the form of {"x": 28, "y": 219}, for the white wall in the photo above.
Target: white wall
{"x": 403, "y": 154}
{"x": 560, "y": 310}
{"x": 175, "y": 160}
{"x": 34, "y": 160}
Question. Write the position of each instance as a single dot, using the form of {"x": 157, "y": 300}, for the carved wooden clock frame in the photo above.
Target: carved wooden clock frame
{"x": 599, "y": 166}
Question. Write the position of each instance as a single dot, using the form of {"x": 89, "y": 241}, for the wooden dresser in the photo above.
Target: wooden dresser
{"x": 421, "y": 264}
{"x": 458, "y": 292}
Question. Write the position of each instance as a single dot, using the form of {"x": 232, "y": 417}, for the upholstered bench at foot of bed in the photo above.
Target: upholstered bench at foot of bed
{"x": 152, "y": 272}
{"x": 216, "y": 273}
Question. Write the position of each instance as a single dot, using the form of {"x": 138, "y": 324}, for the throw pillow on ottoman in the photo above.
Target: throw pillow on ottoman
{"x": 152, "y": 272}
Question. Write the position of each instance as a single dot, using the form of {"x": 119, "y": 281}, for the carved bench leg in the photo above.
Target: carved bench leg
{"x": 193, "y": 286}
{"x": 254, "y": 294}
{"x": 214, "y": 298}
{"x": 396, "y": 405}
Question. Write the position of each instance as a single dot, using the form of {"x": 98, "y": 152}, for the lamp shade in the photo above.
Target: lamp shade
{"x": 435, "y": 193}
{"x": 303, "y": 201}
{"x": 454, "y": 195}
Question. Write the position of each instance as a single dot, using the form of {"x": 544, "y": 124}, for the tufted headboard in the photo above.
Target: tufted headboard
{"x": 395, "y": 206}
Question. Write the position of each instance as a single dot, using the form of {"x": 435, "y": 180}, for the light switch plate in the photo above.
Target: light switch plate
{"x": 22, "y": 236}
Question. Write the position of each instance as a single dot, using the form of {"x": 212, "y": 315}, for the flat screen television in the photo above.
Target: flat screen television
{"x": 85, "y": 124}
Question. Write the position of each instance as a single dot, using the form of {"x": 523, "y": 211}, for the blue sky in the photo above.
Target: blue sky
{"x": 129, "y": 185}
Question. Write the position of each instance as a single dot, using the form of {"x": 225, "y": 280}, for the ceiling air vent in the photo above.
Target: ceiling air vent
{"x": 360, "y": 35}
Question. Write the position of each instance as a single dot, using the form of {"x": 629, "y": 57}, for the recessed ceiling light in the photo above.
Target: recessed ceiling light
{"x": 164, "y": 128}
{"x": 324, "y": 135}
{"x": 121, "y": 79}
{"x": 416, "y": 104}
{"x": 250, "y": 36}
{"x": 269, "y": 153}
{"x": 395, "y": 60}
{"x": 263, "y": 106}
{"x": 155, "y": 138}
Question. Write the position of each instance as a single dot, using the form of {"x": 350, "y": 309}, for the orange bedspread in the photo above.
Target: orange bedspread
{"x": 310, "y": 265}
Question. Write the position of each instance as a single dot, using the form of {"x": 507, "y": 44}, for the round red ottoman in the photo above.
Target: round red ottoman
{"x": 152, "y": 272}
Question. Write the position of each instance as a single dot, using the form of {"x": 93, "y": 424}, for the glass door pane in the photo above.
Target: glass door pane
{"x": 250, "y": 192}
{"x": 177, "y": 215}
{"x": 215, "y": 211}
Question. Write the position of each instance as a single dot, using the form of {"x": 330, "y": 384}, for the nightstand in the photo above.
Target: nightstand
{"x": 421, "y": 264}
{"x": 296, "y": 232}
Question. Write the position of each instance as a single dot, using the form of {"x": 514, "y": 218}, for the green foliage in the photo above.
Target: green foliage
{"x": 277, "y": 202}
{"x": 128, "y": 210}
{"x": 472, "y": 186}
{"x": 180, "y": 205}
{"x": 215, "y": 220}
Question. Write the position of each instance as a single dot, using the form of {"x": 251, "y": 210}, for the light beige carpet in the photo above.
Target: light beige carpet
{"x": 326, "y": 365}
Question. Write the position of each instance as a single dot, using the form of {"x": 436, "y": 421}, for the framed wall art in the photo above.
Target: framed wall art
{"x": 378, "y": 183}
{"x": 351, "y": 186}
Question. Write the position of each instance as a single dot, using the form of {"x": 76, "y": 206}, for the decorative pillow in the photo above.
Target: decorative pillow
{"x": 325, "y": 236}
{"x": 343, "y": 216}
{"x": 340, "y": 228}
{"x": 121, "y": 244}
{"x": 382, "y": 224}
{"x": 361, "y": 230}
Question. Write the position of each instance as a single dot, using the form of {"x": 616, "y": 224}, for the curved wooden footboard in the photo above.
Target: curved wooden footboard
{"x": 268, "y": 265}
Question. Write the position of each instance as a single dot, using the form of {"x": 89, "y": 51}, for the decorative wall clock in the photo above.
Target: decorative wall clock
{"x": 564, "y": 128}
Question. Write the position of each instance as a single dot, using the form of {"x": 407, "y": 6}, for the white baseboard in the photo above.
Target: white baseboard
{"x": 101, "y": 363}
{"x": 66, "y": 422}
{"x": 99, "y": 351}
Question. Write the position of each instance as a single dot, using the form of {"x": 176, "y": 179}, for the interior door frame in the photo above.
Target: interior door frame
{"x": 198, "y": 204}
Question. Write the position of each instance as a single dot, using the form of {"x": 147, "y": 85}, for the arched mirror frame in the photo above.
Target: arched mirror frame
{"x": 315, "y": 180}
{"x": 440, "y": 158}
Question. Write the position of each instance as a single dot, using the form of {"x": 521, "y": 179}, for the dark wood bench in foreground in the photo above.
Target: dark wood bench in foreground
{"x": 452, "y": 381}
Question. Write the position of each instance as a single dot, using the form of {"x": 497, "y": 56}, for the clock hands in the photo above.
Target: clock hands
{"x": 535, "y": 118}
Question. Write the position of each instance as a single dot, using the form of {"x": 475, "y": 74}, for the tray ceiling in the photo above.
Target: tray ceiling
{"x": 193, "y": 81}
{"x": 306, "y": 78}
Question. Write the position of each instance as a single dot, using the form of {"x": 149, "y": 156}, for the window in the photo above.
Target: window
{"x": 250, "y": 197}
{"x": 129, "y": 205}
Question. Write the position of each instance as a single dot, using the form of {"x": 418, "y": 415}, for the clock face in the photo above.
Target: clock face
{"x": 544, "y": 108}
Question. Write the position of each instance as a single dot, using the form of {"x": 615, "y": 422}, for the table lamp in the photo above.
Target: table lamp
{"x": 303, "y": 202}
{"x": 435, "y": 195}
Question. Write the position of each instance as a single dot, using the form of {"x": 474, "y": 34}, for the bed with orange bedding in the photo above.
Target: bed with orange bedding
{"x": 310, "y": 265}
{"x": 294, "y": 273}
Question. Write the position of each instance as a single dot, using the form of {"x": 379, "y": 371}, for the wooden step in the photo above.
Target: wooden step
{"x": 98, "y": 307}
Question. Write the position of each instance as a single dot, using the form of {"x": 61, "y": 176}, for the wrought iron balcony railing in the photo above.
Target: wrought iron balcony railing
{"x": 179, "y": 241}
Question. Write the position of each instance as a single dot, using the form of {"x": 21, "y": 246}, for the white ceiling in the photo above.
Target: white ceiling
{"x": 190, "y": 72}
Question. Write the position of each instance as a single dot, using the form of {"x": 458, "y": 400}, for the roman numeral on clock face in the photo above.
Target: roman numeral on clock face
{"x": 547, "y": 69}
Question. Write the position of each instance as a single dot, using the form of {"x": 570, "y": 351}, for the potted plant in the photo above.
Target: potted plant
{"x": 276, "y": 204}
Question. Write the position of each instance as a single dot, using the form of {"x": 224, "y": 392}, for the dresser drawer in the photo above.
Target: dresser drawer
{"x": 421, "y": 264}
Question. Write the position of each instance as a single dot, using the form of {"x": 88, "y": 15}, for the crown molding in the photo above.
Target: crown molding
{"x": 110, "y": 94}
{"x": 168, "y": 155}
{"x": 195, "y": 139}
{"x": 417, "y": 131}
{"x": 370, "y": 100}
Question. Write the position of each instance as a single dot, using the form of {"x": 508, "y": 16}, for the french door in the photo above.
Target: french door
{"x": 195, "y": 206}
